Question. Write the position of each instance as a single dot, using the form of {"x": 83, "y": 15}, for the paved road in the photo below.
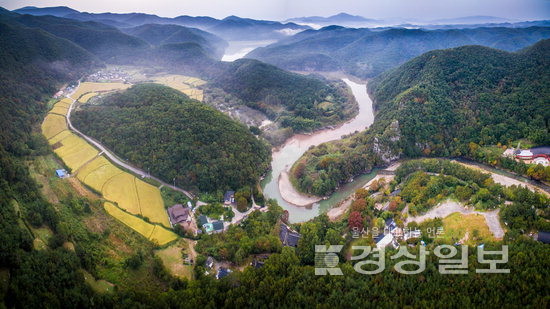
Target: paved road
{"x": 114, "y": 158}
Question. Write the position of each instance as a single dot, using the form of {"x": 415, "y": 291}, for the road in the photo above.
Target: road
{"x": 114, "y": 158}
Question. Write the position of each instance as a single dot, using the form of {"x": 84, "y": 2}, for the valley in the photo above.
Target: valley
{"x": 200, "y": 158}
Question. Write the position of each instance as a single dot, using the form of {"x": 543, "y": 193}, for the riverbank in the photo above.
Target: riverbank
{"x": 279, "y": 187}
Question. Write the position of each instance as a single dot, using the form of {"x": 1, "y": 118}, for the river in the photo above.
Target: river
{"x": 285, "y": 156}
{"x": 238, "y": 49}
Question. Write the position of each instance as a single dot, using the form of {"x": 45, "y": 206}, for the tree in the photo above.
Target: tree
{"x": 355, "y": 221}
{"x": 242, "y": 204}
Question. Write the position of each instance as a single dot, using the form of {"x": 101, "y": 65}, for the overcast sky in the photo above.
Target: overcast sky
{"x": 283, "y": 9}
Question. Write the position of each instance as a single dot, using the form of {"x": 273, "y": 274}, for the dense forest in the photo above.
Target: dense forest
{"x": 366, "y": 52}
{"x": 178, "y": 138}
{"x": 437, "y": 105}
{"x": 301, "y": 102}
{"x": 33, "y": 65}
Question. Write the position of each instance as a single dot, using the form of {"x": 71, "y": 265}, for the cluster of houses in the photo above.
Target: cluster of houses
{"x": 115, "y": 74}
{"x": 183, "y": 215}
{"x": 392, "y": 234}
{"x": 536, "y": 155}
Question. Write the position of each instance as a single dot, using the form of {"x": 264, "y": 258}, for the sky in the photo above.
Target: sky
{"x": 284, "y": 9}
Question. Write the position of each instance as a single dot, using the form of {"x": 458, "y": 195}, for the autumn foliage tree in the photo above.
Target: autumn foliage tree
{"x": 355, "y": 220}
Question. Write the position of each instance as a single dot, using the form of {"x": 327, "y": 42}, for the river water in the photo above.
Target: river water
{"x": 285, "y": 156}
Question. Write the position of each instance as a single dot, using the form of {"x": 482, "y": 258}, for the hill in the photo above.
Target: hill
{"x": 33, "y": 66}
{"x": 114, "y": 46}
{"x": 292, "y": 99}
{"x": 437, "y": 105}
{"x": 229, "y": 28}
{"x": 366, "y": 53}
{"x": 178, "y": 138}
{"x": 157, "y": 34}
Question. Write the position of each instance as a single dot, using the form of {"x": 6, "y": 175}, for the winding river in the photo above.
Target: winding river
{"x": 285, "y": 156}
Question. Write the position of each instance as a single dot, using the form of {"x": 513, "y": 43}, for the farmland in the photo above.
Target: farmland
{"x": 120, "y": 187}
{"x": 53, "y": 124}
{"x": 152, "y": 232}
{"x": 187, "y": 85}
{"x": 88, "y": 87}
{"x": 87, "y": 96}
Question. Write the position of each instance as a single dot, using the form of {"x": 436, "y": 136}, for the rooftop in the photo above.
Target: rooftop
{"x": 288, "y": 236}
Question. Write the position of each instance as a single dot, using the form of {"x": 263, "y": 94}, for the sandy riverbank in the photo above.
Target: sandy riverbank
{"x": 291, "y": 195}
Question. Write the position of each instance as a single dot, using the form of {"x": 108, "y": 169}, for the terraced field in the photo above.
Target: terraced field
{"x": 152, "y": 232}
{"x": 86, "y": 97}
{"x": 53, "y": 124}
{"x": 132, "y": 195}
{"x": 186, "y": 84}
{"x": 74, "y": 151}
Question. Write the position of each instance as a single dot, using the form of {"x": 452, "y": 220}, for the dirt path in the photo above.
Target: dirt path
{"x": 448, "y": 207}
{"x": 505, "y": 180}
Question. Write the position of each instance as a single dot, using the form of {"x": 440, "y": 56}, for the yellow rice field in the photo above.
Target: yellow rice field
{"x": 74, "y": 151}
{"x": 86, "y": 97}
{"x": 97, "y": 87}
{"x": 185, "y": 84}
{"x": 58, "y": 137}
{"x": 162, "y": 236}
{"x": 59, "y": 109}
{"x": 151, "y": 203}
{"x": 152, "y": 232}
{"x": 96, "y": 173}
{"x": 53, "y": 124}
{"x": 122, "y": 190}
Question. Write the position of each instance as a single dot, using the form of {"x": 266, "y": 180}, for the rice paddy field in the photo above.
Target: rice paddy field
{"x": 87, "y": 87}
{"x": 186, "y": 84}
{"x": 53, "y": 124}
{"x": 152, "y": 232}
{"x": 85, "y": 98}
{"x": 132, "y": 195}
{"x": 96, "y": 173}
{"x": 129, "y": 192}
{"x": 74, "y": 151}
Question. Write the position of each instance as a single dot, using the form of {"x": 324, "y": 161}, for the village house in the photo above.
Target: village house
{"x": 229, "y": 198}
{"x": 288, "y": 236}
{"x": 223, "y": 272}
{"x": 179, "y": 214}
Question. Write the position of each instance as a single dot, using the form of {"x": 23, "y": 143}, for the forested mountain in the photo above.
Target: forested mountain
{"x": 33, "y": 65}
{"x": 229, "y": 28}
{"x": 178, "y": 138}
{"x": 58, "y": 11}
{"x": 293, "y": 99}
{"x": 157, "y": 34}
{"x": 438, "y": 103}
{"x": 366, "y": 53}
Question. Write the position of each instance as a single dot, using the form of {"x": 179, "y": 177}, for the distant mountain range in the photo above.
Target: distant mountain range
{"x": 230, "y": 28}
{"x": 342, "y": 19}
{"x": 368, "y": 52}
